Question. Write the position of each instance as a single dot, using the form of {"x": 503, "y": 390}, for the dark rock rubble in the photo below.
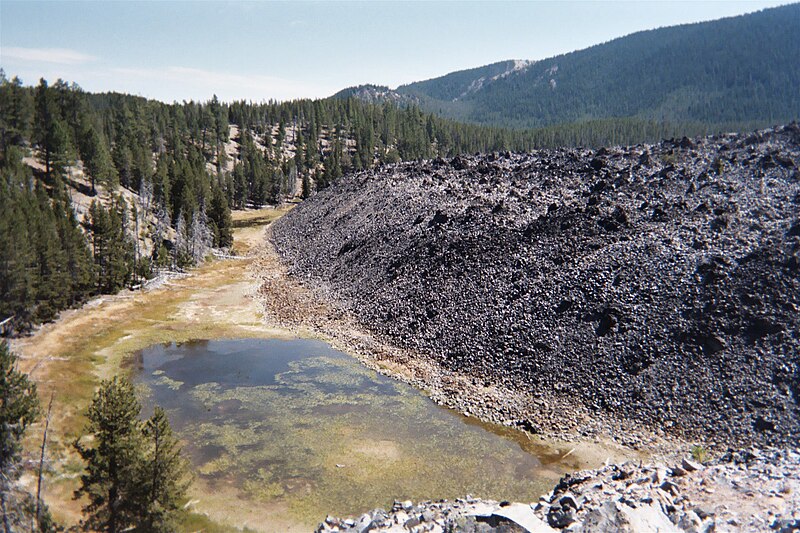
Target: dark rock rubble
{"x": 657, "y": 284}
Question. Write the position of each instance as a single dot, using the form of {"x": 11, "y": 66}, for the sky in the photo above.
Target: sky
{"x": 191, "y": 50}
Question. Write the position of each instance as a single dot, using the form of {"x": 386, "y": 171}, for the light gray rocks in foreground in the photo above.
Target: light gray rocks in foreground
{"x": 743, "y": 491}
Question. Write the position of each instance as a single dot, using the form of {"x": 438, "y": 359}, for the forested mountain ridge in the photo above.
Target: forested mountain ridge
{"x": 733, "y": 73}
{"x": 449, "y": 87}
{"x": 374, "y": 94}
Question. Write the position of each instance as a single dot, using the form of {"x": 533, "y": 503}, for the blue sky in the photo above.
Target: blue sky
{"x": 182, "y": 50}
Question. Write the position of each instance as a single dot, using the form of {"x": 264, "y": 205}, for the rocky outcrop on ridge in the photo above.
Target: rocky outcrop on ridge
{"x": 658, "y": 284}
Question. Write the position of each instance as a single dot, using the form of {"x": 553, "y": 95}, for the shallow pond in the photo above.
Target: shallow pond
{"x": 282, "y": 432}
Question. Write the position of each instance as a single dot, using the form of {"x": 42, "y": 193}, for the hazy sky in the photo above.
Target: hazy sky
{"x": 183, "y": 50}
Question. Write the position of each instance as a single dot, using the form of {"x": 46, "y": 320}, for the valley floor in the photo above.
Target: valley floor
{"x": 249, "y": 296}
{"x": 69, "y": 357}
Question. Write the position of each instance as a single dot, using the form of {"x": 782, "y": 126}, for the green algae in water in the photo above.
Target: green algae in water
{"x": 299, "y": 423}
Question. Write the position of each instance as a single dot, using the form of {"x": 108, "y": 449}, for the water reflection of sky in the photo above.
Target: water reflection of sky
{"x": 298, "y": 422}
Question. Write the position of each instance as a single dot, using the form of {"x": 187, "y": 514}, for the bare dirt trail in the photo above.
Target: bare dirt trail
{"x": 69, "y": 357}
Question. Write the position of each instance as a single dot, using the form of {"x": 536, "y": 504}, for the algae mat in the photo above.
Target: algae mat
{"x": 282, "y": 432}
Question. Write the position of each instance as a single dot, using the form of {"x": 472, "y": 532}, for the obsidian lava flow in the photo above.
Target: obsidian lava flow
{"x": 656, "y": 283}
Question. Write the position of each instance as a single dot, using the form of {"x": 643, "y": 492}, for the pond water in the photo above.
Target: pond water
{"x": 296, "y": 430}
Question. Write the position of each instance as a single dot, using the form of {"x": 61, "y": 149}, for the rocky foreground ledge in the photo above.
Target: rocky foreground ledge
{"x": 741, "y": 491}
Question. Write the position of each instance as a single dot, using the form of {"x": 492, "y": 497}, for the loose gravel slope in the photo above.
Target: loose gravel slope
{"x": 659, "y": 284}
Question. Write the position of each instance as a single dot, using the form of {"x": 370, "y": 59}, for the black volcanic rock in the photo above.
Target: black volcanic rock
{"x": 660, "y": 286}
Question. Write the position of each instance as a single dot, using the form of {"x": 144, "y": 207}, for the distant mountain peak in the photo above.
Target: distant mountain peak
{"x": 519, "y": 65}
{"x": 372, "y": 94}
{"x": 514, "y": 66}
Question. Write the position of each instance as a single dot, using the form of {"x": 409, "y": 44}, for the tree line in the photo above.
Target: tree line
{"x": 175, "y": 160}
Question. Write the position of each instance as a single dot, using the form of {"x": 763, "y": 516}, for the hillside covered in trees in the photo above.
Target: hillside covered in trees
{"x": 99, "y": 191}
{"x": 730, "y": 74}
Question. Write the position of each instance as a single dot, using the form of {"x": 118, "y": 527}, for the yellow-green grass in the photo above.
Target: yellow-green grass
{"x": 198, "y": 522}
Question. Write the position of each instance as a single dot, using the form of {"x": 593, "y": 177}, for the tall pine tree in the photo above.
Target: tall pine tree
{"x": 135, "y": 477}
{"x": 114, "y": 460}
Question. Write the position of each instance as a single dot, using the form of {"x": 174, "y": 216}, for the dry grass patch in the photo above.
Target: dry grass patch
{"x": 249, "y": 226}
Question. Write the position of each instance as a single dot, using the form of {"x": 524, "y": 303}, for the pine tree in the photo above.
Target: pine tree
{"x": 51, "y": 278}
{"x": 17, "y": 257}
{"x": 112, "y": 246}
{"x": 164, "y": 476}
{"x": 16, "y": 112}
{"x": 50, "y": 132}
{"x": 96, "y": 158}
{"x": 122, "y": 256}
{"x": 305, "y": 191}
{"x": 299, "y": 154}
{"x": 60, "y": 148}
{"x": 276, "y": 187}
{"x": 220, "y": 114}
{"x": 281, "y": 134}
{"x": 220, "y": 217}
{"x": 78, "y": 259}
{"x": 161, "y": 184}
{"x": 239, "y": 186}
{"x": 311, "y": 153}
{"x": 123, "y": 162}
{"x": 114, "y": 461}
{"x": 19, "y": 407}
